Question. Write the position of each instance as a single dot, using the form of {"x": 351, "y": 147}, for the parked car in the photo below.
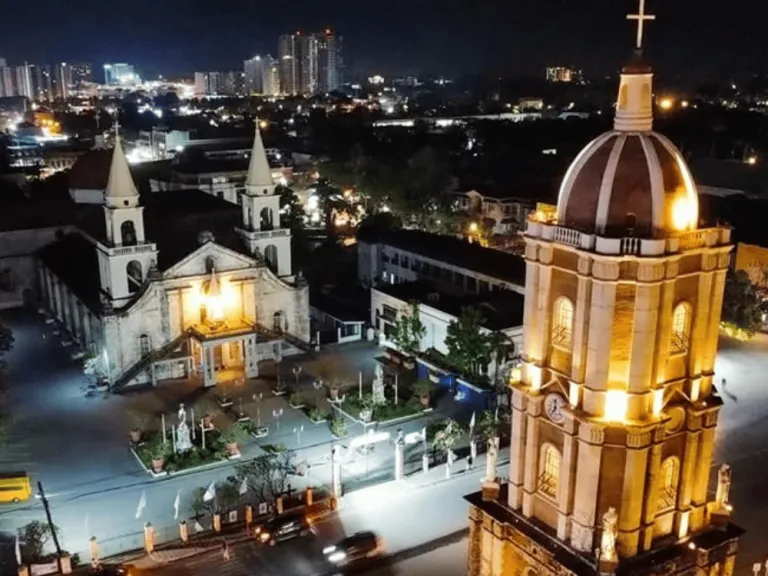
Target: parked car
{"x": 358, "y": 548}
{"x": 284, "y": 527}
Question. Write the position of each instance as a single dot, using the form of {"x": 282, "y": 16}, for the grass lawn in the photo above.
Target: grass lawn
{"x": 385, "y": 412}
{"x": 197, "y": 456}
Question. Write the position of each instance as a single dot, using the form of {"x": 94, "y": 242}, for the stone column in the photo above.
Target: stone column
{"x": 600, "y": 331}
{"x": 701, "y": 476}
{"x": 517, "y": 451}
{"x": 582, "y": 305}
{"x": 94, "y": 551}
{"x": 531, "y": 464}
{"x": 650, "y": 501}
{"x": 530, "y": 319}
{"x": 399, "y": 461}
{"x": 635, "y": 467}
{"x": 251, "y": 357}
{"x": 209, "y": 368}
{"x": 647, "y": 299}
{"x": 590, "y": 452}
{"x": 149, "y": 538}
{"x": 682, "y": 518}
{"x": 183, "y": 531}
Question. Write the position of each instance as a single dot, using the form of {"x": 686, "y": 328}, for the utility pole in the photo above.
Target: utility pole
{"x": 54, "y": 535}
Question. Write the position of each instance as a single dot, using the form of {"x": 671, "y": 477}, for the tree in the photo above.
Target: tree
{"x": 408, "y": 330}
{"x": 499, "y": 347}
{"x": 6, "y": 344}
{"x": 33, "y": 539}
{"x": 490, "y": 425}
{"x": 267, "y": 476}
{"x": 447, "y": 437}
{"x": 741, "y": 304}
{"x": 468, "y": 347}
{"x": 291, "y": 210}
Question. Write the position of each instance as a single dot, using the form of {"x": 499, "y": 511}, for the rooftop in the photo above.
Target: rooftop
{"x": 452, "y": 250}
{"x": 500, "y": 309}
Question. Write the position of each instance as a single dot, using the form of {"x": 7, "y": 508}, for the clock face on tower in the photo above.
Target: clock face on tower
{"x": 553, "y": 408}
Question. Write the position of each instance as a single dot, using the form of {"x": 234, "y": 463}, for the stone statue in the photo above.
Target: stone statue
{"x": 183, "y": 442}
{"x": 400, "y": 437}
{"x": 723, "y": 486}
{"x": 492, "y": 459}
{"x": 610, "y": 533}
{"x": 182, "y": 414}
{"x": 378, "y": 386}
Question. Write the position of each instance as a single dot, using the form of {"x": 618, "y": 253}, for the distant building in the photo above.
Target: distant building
{"x": 218, "y": 83}
{"x": 7, "y": 88}
{"x": 508, "y": 213}
{"x": 80, "y": 73}
{"x": 24, "y": 85}
{"x": 564, "y": 74}
{"x": 253, "y": 71}
{"x": 290, "y": 67}
{"x": 330, "y": 61}
{"x": 120, "y": 73}
{"x": 63, "y": 80}
{"x": 271, "y": 79}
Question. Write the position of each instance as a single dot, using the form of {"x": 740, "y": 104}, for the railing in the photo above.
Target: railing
{"x": 567, "y": 236}
{"x": 277, "y": 233}
{"x": 694, "y": 239}
{"x": 630, "y": 246}
{"x": 136, "y": 249}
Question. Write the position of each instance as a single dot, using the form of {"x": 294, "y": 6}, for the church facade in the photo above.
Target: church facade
{"x": 614, "y": 413}
{"x": 178, "y": 284}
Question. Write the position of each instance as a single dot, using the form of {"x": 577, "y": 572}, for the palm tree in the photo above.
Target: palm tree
{"x": 500, "y": 346}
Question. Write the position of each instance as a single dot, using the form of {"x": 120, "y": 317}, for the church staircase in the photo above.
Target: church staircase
{"x": 146, "y": 361}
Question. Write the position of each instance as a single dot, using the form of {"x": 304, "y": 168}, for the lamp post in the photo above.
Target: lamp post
{"x": 257, "y": 398}
{"x": 277, "y": 413}
{"x": 317, "y": 385}
{"x": 296, "y": 372}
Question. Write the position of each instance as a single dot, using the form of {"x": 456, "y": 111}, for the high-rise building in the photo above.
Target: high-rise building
{"x": 330, "y": 61}
{"x": 253, "y": 69}
{"x": 44, "y": 82}
{"x": 271, "y": 82}
{"x": 290, "y": 67}
{"x": 120, "y": 73}
{"x": 614, "y": 409}
{"x": 218, "y": 83}
{"x": 63, "y": 80}
{"x": 24, "y": 81}
{"x": 7, "y": 88}
{"x": 308, "y": 64}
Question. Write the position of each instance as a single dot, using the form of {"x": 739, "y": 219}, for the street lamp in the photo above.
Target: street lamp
{"x": 277, "y": 412}
{"x": 296, "y": 371}
{"x": 298, "y": 432}
{"x": 257, "y": 398}
{"x": 317, "y": 385}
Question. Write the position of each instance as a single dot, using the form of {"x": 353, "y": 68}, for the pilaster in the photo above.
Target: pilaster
{"x": 580, "y": 324}
{"x": 530, "y": 317}
{"x": 565, "y": 486}
{"x": 650, "y": 500}
{"x": 644, "y": 338}
{"x": 701, "y": 476}
{"x": 517, "y": 450}
{"x": 635, "y": 467}
{"x": 600, "y": 331}
{"x": 590, "y": 452}
{"x": 682, "y": 519}
{"x": 531, "y": 464}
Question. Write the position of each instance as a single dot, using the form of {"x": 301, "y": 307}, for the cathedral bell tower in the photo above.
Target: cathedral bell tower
{"x": 126, "y": 257}
{"x": 614, "y": 411}
{"x": 261, "y": 229}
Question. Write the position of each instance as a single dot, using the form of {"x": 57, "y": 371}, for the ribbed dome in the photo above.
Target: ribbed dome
{"x": 628, "y": 183}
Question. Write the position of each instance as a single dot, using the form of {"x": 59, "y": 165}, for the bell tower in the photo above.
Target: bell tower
{"x": 261, "y": 229}
{"x": 614, "y": 410}
{"x": 125, "y": 257}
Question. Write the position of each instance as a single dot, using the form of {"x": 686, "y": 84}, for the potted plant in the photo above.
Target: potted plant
{"x": 223, "y": 399}
{"x": 424, "y": 389}
{"x": 232, "y": 437}
{"x": 296, "y": 400}
{"x": 366, "y": 408}
{"x": 338, "y": 427}
{"x": 317, "y": 415}
{"x": 138, "y": 424}
{"x": 157, "y": 452}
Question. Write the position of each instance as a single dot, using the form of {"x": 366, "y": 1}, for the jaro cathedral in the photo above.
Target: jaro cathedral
{"x": 614, "y": 412}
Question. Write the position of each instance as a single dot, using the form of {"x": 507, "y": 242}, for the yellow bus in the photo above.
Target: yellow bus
{"x": 14, "y": 487}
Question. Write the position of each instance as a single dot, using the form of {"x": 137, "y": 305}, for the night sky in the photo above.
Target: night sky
{"x": 390, "y": 36}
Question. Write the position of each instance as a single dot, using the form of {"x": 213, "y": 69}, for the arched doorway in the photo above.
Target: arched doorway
{"x": 128, "y": 233}
{"x": 145, "y": 345}
{"x": 270, "y": 255}
{"x": 135, "y": 276}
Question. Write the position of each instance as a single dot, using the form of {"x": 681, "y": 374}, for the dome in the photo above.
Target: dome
{"x": 630, "y": 181}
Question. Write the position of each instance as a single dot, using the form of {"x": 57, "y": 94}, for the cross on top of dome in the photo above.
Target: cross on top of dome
{"x": 641, "y": 17}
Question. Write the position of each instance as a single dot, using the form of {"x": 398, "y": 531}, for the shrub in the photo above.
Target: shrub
{"x": 339, "y": 427}
{"x": 317, "y": 414}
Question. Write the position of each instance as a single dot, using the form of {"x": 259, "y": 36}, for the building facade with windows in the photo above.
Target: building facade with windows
{"x": 615, "y": 410}
{"x": 177, "y": 284}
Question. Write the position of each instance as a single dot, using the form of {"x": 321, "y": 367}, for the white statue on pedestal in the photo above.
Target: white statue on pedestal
{"x": 183, "y": 442}
{"x": 723, "y": 487}
{"x": 492, "y": 459}
{"x": 378, "y": 386}
{"x": 182, "y": 413}
{"x": 610, "y": 533}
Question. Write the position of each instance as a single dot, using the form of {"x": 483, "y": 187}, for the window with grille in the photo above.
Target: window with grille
{"x": 681, "y": 327}
{"x": 562, "y": 323}
{"x": 669, "y": 478}
{"x": 549, "y": 471}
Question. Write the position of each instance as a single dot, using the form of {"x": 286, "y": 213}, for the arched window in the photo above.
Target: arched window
{"x": 562, "y": 323}
{"x": 266, "y": 219}
{"x": 210, "y": 264}
{"x": 622, "y": 97}
{"x": 128, "y": 233}
{"x": 270, "y": 255}
{"x": 145, "y": 345}
{"x": 681, "y": 329}
{"x": 668, "y": 481}
{"x": 549, "y": 470}
{"x": 134, "y": 273}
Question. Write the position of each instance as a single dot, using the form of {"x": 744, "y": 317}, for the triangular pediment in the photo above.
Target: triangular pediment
{"x": 196, "y": 263}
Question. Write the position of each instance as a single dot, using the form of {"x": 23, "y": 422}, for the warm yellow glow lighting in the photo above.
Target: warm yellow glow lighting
{"x": 682, "y": 213}
{"x": 515, "y": 375}
{"x": 615, "y": 405}
{"x": 533, "y": 374}
{"x": 473, "y": 227}
{"x": 658, "y": 401}
{"x": 263, "y": 124}
{"x": 666, "y": 103}
{"x": 729, "y": 507}
{"x": 695, "y": 390}
{"x": 683, "y": 532}
{"x": 752, "y": 160}
{"x": 684, "y": 103}
{"x": 573, "y": 395}
{"x": 219, "y": 299}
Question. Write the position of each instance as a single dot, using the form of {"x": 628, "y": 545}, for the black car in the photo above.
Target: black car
{"x": 284, "y": 527}
{"x": 356, "y": 549}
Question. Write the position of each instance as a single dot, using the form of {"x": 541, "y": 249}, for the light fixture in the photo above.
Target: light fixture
{"x": 615, "y": 405}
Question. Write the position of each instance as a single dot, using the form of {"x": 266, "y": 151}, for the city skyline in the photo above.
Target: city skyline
{"x": 412, "y": 38}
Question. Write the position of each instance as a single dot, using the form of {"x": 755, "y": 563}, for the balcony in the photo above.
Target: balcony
{"x": 263, "y": 234}
{"x": 135, "y": 249}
